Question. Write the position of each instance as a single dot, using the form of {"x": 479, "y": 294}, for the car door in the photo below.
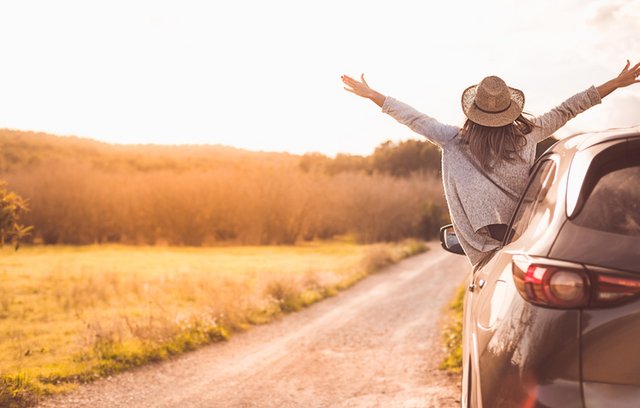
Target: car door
{"x": 492, "y": 292}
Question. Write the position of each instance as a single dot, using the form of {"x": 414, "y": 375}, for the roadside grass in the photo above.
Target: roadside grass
{"x": 452, "y": 334}
{"x": 70, "y": 315}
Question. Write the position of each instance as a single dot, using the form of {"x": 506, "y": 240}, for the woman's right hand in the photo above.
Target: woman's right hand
{"x": 362, "y": 89}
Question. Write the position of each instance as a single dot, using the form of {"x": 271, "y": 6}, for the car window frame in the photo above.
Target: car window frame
{"x": 547, "y": 158}
{"x": 598, "y": 174}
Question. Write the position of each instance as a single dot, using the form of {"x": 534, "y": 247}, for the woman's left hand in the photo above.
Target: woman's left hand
{"x": 629, "y": 75}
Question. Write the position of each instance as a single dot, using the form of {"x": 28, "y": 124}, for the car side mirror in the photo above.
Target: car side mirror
{"x": 449, "y": 240}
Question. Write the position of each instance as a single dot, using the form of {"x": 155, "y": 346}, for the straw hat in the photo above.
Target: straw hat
{"x": 492, "y": 103}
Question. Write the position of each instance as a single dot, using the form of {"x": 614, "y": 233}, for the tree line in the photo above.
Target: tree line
{"x": 399, "y": 159}
{"x": 84, "y": 192}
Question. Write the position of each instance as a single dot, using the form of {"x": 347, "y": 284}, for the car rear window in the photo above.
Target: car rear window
{"x": 613, "y": 203}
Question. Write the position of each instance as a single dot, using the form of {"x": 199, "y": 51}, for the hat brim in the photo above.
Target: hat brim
{"x": 492, "y": 119}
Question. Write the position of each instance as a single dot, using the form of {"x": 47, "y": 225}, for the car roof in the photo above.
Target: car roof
{"x": 582, "y": 141}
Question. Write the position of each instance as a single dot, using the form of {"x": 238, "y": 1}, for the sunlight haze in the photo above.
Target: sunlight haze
{"x": 266, "y": 75}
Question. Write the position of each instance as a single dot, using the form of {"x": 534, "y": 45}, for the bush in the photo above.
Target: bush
{"x": 452, "y": 334}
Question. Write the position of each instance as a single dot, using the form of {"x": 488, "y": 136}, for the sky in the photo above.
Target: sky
{"x": 265, "y": 75}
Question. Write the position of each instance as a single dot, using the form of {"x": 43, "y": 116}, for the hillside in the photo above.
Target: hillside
{"x": 82, "y": 192}
{"x": 20, "y": 149}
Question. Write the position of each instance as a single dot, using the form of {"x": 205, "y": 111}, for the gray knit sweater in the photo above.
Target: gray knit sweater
{"x": 474, "y": 201}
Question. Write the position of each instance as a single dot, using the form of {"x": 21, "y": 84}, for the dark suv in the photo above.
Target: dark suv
{"x": 553, "y": 318}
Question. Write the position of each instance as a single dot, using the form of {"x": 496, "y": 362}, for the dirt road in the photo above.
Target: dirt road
{"x": 377, "y": 344}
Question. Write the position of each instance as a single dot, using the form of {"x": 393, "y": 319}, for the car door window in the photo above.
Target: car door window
{"x": 535, "y": 193}
{"x": 614, "y": 203}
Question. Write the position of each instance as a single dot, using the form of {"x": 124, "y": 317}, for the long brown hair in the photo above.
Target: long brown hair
{"x": 488, "y": 145}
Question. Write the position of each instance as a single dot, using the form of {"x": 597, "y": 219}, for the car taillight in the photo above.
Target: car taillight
{"x": 612, "y": 289}
{"x": 566, "y": 285}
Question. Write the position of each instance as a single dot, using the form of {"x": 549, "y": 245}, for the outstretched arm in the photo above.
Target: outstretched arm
{"x": 558, "y": 116}
{"x": 427, "y": 126}
{"x": 363, "y": 89}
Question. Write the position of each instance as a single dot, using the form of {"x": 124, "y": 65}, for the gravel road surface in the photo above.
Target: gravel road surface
{"x": 377, "y": 344}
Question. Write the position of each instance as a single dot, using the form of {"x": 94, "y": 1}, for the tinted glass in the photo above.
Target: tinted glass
{"x": 536, "y": 191}
{"x": 614, "y": 203}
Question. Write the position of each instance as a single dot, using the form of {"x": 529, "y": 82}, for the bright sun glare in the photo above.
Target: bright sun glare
{"x": 266, "y": 75}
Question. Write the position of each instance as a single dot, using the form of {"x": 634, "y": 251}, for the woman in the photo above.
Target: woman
{"x": 485, "y": 164}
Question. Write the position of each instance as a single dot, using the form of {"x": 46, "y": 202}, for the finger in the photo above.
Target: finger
{"x": 348, "y": 82}
{"x": 635, "y": 66}
{"x": 350, "y": 90}
{"x": 363, "y": 80}
{"x": 625, "y": 67}
{"x": 353, "y": 83}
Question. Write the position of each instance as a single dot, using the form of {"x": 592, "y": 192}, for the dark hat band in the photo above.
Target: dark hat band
{"x": 500, "y": 111}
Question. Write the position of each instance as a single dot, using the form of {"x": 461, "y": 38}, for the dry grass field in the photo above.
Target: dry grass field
{"x": 83, "y": 192}
{"x": 72, "y": 314}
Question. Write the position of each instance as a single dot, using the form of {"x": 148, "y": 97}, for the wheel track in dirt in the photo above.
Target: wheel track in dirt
{"x": 377, "y": 344}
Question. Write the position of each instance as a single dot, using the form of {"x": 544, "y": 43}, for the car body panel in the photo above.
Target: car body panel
{"x": 586, "y": 140}
{"x": 598, "y": 395}
{"x": 609, "y": 336}
{"x": 511, "y": 372}
{"x": 519, "y": 354}
{"x": 610, "y": 345}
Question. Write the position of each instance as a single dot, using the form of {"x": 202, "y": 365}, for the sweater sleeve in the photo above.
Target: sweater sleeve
{"x": 558, "y": 116}
{"x": 436, "y": 132}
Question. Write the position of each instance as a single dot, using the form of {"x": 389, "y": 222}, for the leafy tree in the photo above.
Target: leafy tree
{"x": 403, "y": 158}
{"x": 310, "y": 162}
{"x": 344, "y": 163}
{"x": 11, "y": 207}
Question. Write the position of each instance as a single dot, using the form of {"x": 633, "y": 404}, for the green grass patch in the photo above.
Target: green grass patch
{"x": 70, "y": 315}
{"x": 452, "y": 334}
